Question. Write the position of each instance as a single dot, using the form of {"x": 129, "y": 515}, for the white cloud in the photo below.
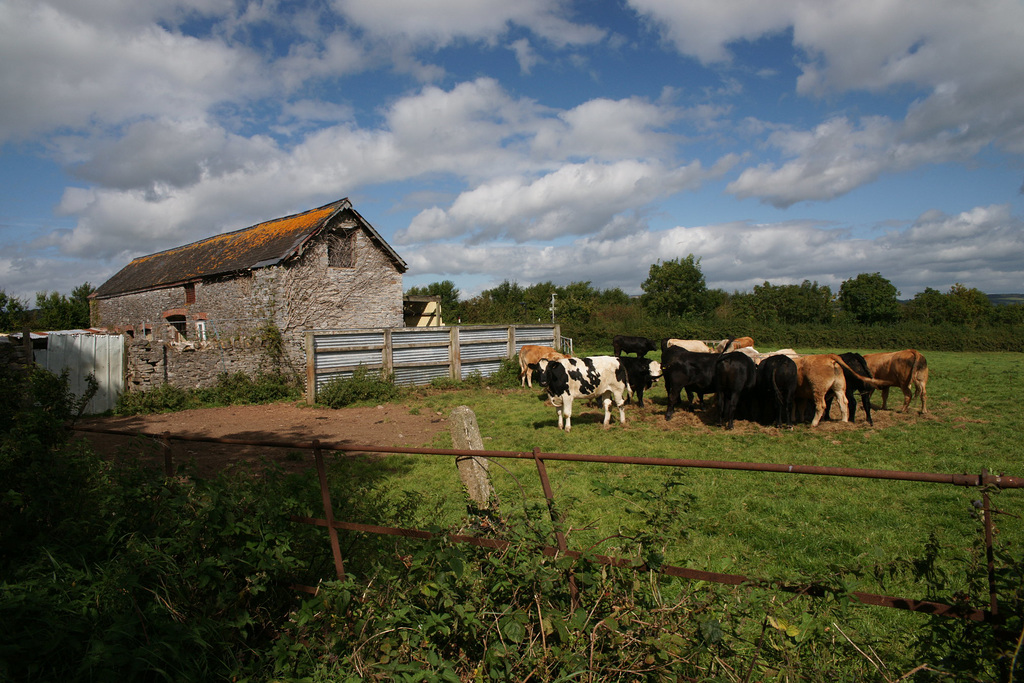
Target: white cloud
{"x": 442, "y": 22}
{"x": 73, "y": 73}
{"x": 966, "y": 59}
{"x": 982, "y": 248}
{"x": 576, "y": 199}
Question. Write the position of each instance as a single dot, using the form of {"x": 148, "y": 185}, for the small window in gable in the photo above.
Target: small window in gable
{"x": 190, "y": 293}
{"x": 341, "y": 249}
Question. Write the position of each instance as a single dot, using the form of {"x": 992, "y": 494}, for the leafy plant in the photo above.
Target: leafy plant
{"x": 363, "y": 385}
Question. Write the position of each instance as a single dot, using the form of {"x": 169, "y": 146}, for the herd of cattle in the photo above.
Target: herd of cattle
{"x": 768, "y": 387}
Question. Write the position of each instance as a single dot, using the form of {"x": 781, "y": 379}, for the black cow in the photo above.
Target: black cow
{"x": 854, "y": 385}
{"x": 776, "y": 388}
{"x": 735, "y": 377}
{"x": 642, "y": 374}
{"x": 688, "y": 370}
{"x": 639, "y": 345}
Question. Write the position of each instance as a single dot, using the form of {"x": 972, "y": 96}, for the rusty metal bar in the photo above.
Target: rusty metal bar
{"x": 325, "y": 495}
{"x": 967, "y": 480}
{"x": 811, "y": 590}
{"x": 557, "y": 519}
{"x": 989, "y": 553}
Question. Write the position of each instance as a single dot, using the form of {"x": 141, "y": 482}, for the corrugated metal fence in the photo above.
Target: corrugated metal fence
{"x": 417, "y": 355}
{"x": 102, "y": 355}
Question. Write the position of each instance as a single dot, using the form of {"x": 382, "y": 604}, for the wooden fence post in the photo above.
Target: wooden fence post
{"x": 473, "y": 471}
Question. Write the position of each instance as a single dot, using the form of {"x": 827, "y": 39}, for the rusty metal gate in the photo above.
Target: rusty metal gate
{"x": 983, "y": 481}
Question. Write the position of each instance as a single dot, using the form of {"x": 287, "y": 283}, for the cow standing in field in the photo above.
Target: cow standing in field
{"x": 529, "y": 356}
{"x": 639, "y": 345}
{"x": 641, "y": 374}
{"x": 854, "y": 385}
{"x": 904, "y": 369}
{"x": 694, "y": 372}
{"x": 820, "y": 374}
{"x": 733, "y": 344}
{"x": 776, "y": 388}
{"x": 572, "y": 378}
{"x": 735, "y": 377}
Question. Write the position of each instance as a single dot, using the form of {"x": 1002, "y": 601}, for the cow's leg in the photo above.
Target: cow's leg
{"x": 844, "y": 407}
{"x": 819, "y": 407}
{"x": 907, "y": 395}
{"x": 567, "y": 413}
{"x": 673, "y": 398}
{"x": 885, "y": 397}
{"x": 924, "y": 396}
{"x": 622, "y": 411}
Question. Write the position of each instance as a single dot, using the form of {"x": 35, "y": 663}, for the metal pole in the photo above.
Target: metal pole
{"x": 993, "y": 599}
{"x": 556, "y": 519}
{"x": 325, "y": 496}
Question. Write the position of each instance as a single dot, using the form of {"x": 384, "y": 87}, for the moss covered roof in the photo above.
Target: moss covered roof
{"x": 260, "y": 245}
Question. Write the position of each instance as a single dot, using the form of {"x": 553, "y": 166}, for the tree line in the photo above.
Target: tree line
{"x": 675, "y": 296}
{"x": 53, "y": 311}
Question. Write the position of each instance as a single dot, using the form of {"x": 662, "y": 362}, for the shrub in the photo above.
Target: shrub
{"x": 231, "y": 389}
{"x": 363, "y": 385}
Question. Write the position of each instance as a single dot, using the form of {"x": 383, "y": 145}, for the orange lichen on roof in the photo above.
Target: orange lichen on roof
{"x": 260, "y": 245}
{"x": 255, "y": 236}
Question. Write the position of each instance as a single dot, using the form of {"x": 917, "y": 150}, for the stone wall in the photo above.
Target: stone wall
{"x": 192, "y": 365}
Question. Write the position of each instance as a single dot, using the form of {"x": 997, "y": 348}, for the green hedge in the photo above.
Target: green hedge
{"x": 841, "y": 337}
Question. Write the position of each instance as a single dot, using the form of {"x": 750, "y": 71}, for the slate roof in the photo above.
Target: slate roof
{"x": 258, "y": 246}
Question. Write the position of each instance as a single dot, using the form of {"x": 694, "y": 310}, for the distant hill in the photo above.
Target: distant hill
{"x": 1005, "y": 299}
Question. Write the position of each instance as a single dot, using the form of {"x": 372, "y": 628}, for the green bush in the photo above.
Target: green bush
{"x": 231, "y": 389}
{"x": 363, "y": 385}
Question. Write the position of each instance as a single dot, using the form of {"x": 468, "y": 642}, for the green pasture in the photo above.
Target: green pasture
{"x": 856, "y": 533}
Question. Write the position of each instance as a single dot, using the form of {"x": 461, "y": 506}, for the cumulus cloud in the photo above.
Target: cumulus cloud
{"x": 980, "y": 248}
{"x": 964, "y": 59}
{"x": 443, "y": 22}
{"x": 73, "y": 73}
{"x": 837, "y": 157}
{"x": 575, "y": 199}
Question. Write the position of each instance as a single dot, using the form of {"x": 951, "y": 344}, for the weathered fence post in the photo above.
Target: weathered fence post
{"x": 473, "y": 471}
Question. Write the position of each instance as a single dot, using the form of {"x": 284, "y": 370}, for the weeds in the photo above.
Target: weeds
{"x": 231, "y": 389}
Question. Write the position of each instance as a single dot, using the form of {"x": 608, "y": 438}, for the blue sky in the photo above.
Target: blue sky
{"x": 534, "y": 141}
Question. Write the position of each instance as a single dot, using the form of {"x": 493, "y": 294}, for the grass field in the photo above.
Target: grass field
{"x": 867, "y": 535}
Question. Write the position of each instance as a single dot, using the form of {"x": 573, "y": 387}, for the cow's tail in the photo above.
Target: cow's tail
{"x": 919, "y": 373}
{"x": 869, "y": 381}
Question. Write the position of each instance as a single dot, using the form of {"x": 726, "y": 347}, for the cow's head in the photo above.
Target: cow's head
{"x": 553, "y": 377}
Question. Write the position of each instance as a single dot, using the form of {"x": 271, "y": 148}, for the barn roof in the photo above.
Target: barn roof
{"x": 258, "y": 246}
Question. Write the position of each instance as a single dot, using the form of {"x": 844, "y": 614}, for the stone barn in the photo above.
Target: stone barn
{"x": 326, "y": 268}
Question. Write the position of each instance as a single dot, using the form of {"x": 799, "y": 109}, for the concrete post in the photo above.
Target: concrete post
{"x": 472, "y": 471}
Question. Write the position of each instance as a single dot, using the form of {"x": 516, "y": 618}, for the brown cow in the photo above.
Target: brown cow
{"x": 904, "y": 369}
{"x": 531, "y": 354}
{"x": 733, "y": 344}
{"x": 821, "y": 373}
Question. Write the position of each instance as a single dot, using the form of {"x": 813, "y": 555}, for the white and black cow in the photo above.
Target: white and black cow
{"x": 570, "y": 378}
